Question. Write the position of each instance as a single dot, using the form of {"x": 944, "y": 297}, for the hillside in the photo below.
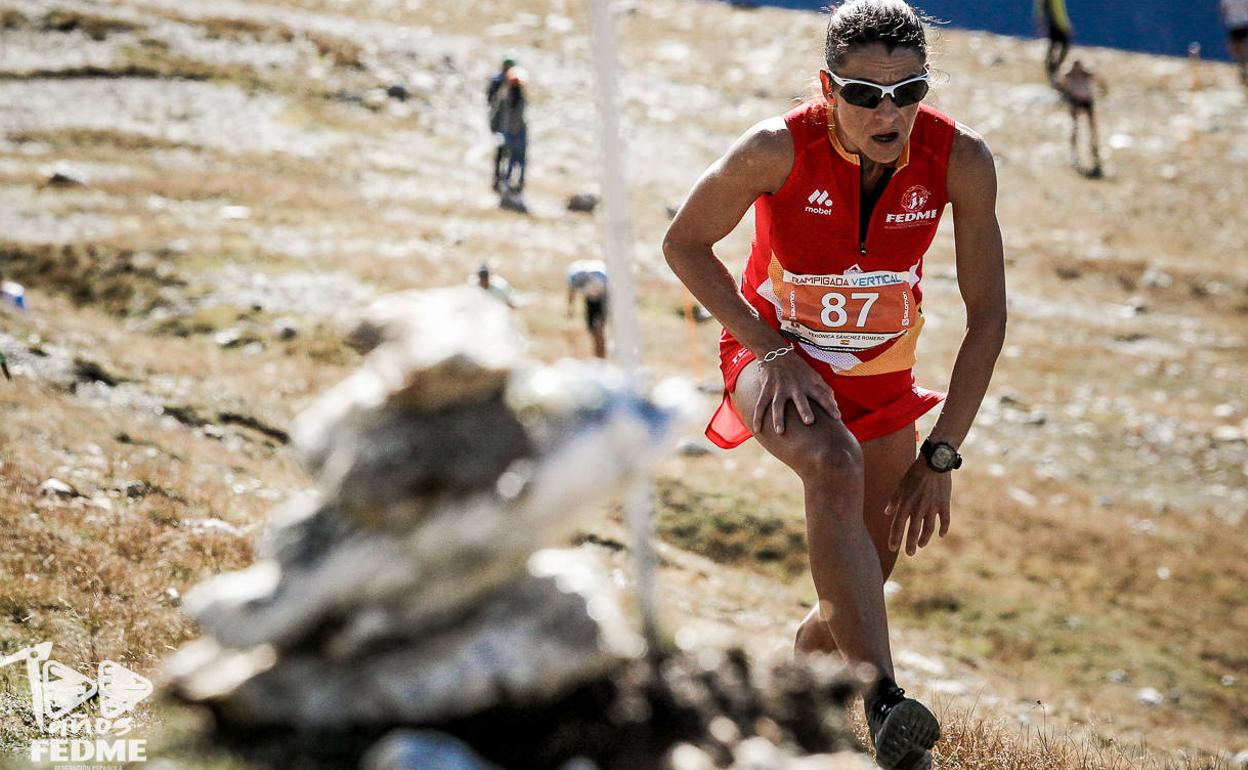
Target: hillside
{"x": 235, "y": 175}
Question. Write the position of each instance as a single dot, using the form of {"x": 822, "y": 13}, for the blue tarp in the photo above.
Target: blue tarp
{"x": 1150, "y": 26}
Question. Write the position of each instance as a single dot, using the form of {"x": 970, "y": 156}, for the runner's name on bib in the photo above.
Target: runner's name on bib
{"x": 849, "y": 312}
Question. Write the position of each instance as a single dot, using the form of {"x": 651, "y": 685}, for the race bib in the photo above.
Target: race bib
{"x": 847, "y": 312}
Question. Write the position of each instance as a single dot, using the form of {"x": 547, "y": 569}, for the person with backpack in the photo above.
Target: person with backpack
{"x": 507, "y": 102}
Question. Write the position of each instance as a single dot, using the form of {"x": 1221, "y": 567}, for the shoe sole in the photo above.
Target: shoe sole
{"x": 904, "y": 739}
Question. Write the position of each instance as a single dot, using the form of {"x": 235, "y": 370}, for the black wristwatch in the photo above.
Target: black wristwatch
{"x": 941, "y": 457}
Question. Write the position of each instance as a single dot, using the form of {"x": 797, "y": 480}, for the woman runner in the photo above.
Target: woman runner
{"x": 819, "y": 341}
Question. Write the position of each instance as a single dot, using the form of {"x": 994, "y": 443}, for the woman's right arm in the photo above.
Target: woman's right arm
{"x": 757, "y": 164}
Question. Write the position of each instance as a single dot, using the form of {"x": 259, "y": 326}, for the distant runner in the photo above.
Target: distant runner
{"x": 496, "y": 285}
{"x": 588, "y": 278}
{"x": 1235, "y": 19}
{"x": 819, "y": 341}
{"x": 1052, "y": 14}
{"x": 13, "y": 293}
{"x": 1079, "y": 86}
{"x": 507, "y": 100}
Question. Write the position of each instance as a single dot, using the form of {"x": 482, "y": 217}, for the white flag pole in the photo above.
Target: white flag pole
{"x": 623, "y": 304}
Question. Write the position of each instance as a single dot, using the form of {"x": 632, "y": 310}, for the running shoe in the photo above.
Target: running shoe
{"x": 902, "y": 729}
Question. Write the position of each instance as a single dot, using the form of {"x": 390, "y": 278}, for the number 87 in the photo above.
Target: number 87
{"x": 834, "y": 315}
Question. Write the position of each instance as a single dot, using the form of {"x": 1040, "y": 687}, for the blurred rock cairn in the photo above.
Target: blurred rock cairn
{"x": 414, "y": 615}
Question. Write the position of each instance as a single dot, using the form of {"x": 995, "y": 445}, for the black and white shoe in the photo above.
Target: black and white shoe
{"x": 902, "y": 729}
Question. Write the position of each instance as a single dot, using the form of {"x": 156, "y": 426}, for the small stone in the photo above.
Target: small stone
{"x": 1117, "y": 676}
{"x": 285, "y": 330}
{"x": 57, "y": 488}
{"x": 1022, "y": 497}
{"x": 211, "y": 526}
{"x": 1156, "y": 278}
{"x": 423, "y": 750}
{"x": 686, "y": 756}
{"x": 1229, "y": 434}
{"x": 213, "y": 431}
{"x": 228, "y": 338}
{"x": 1228, "y": 680}
{"x": 235, "y": 213}
{"x": 65, "y": 175}
{"x": 375, "y": 98}
{"x": 584, "y": 203}
{"x": 398, "y": 92}
{"x": 1149, "y": 696}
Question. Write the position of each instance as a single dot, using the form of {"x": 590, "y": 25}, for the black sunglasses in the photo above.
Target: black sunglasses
{"x": 864, "y": 93}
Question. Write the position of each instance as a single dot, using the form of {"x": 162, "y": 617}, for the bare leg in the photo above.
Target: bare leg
{"x": 1074, "y": 138}
{"x": 843, "y": 559}
{"x": 1239, "y": 52}
{"x": 598, "y": 332}
{"x": 1095, "y": 141}
{"x": 499, "y": 157}
{"x": 885, "y": 461}
{"x": 1063, "y": 48}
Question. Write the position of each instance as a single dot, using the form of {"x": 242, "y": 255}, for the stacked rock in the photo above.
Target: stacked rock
{"x": 418, "y": 588}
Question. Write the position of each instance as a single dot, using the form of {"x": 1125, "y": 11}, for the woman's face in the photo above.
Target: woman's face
{"x": 881, "y": 133}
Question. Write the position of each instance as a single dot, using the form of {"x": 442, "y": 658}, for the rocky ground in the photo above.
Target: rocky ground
{"x": 192, "y": 191}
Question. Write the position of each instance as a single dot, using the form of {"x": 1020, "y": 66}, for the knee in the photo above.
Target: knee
{"x": 833, "y": 460}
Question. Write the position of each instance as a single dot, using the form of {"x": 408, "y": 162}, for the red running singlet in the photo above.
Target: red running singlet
{"x": 851, "y": 306}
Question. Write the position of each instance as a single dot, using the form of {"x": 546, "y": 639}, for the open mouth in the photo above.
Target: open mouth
{"x": 886, "y": 138}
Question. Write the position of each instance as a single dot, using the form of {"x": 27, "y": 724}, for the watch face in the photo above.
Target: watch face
{"x": 942, "y": 456}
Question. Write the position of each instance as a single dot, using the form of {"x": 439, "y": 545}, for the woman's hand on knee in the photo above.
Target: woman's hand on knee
{"x": 919, "y": 508}
{"x": 789, "y": 378}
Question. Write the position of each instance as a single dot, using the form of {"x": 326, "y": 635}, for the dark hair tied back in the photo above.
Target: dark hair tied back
{"x": 861, "y": 22}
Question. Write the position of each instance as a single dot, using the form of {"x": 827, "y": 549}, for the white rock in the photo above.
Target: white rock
{"x": 918, "y": 662}
{"x": 211, "y": 526}
{"x": 56, "y": 488}
{"x": 686, "y": 756}
{"x": 1022, "y": 497}
{"x": 1149, "y": 696}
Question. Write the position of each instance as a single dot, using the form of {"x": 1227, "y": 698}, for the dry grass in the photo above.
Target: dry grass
{"x": 93, "y": 25}
{"x": 973, "y": 739}
{"x": 118, "y": 281}
{"x": 84, "y": 138}
{"x": 726, "y": 528}
{"x": 99, "y": 573}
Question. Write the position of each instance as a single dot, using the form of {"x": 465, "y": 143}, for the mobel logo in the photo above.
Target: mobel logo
{"x": 57, "y": 692}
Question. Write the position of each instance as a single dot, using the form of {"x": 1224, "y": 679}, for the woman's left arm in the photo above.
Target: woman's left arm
{"x": 981, "y": 280}
{"x": 922, "y": 498}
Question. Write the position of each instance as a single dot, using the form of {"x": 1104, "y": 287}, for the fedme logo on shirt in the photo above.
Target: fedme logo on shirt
{"x": 913, "y": 200}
